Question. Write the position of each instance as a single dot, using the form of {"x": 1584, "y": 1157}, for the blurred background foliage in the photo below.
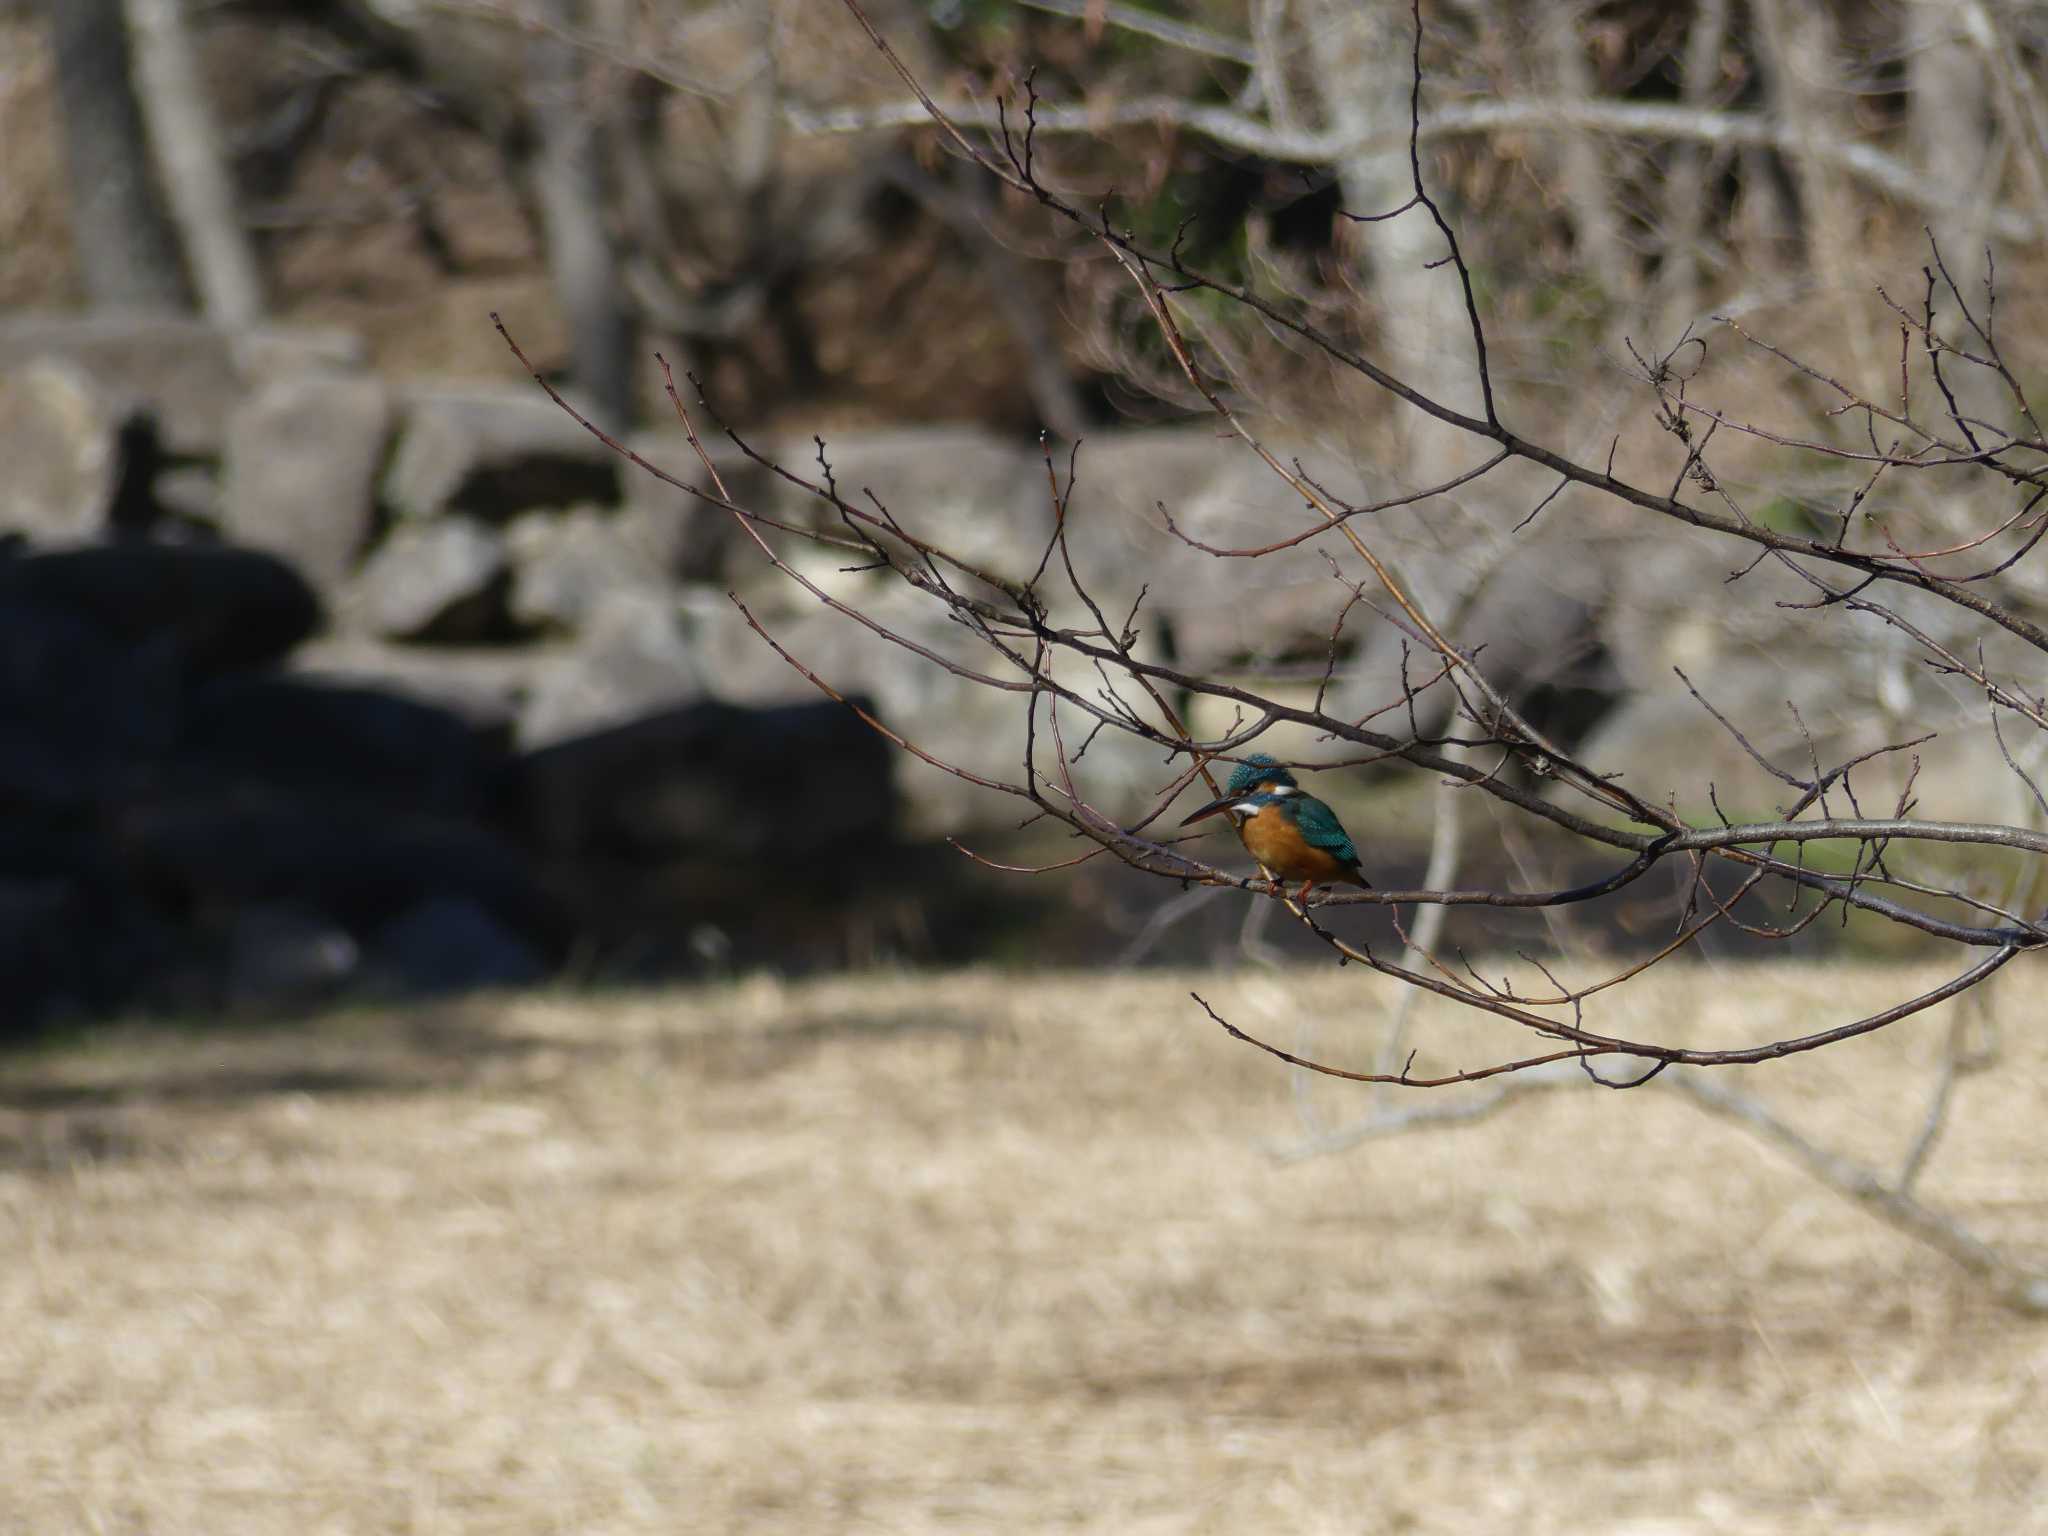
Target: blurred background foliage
{"x": 745, "y": 188}
{"x": 766, "y": 205}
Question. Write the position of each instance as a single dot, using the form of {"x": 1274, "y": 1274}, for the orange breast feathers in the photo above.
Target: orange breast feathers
{"x": 1271, "y": 837}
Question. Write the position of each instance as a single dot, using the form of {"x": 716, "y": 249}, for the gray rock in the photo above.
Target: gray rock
{"x": 634, "y": 658}
{"x": 81, "y": 715}
{"x": 197, "y": 608}
{"x": 1201, "y": 609}
{"x": 1535, "y": 632}
{"x": 270, "y": 733}
{"x": 968, "y": 724}
{"x": 687, "y": 538}
{"x": 216, "y": 853}
{"x": 493, "y": 453}
{"x": 681, "y": 540}
{"x": 299, "y": 473}
{"x": 982, "y": 497}
{"x": 1665, "y": 745}
{"x": 486, "y": 686}
{"x": 284, "y": 351}
{"x": 443, "y": 581}
{"x": 59, "y": 443}
{"x": 718, "y": 785}
{"x": 563, "y": 566}
{"x": 989, "y": 502}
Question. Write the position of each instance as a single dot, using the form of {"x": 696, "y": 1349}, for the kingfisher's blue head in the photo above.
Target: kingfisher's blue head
{"x": 1257, "y": 781}
{"x": 1255, "y": 772}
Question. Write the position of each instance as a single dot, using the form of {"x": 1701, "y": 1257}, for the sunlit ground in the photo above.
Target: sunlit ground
{"x": 979, "y": 1253}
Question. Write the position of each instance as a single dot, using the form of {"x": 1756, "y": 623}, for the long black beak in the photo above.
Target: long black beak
{"x": 1211, "y": 809}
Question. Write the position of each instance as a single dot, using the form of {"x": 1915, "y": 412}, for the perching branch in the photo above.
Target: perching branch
{"x": 1046, "y": 638}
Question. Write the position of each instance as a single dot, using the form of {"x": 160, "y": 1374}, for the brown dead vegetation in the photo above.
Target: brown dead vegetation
{"x": 981, "y": 1252}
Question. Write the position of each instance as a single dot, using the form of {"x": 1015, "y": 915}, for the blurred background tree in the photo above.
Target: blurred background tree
{"x": 730, "y": 182}
{"x": 746, "y": 189}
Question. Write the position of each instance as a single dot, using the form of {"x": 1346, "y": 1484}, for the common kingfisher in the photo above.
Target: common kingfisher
{"x": 1292, "y": 834}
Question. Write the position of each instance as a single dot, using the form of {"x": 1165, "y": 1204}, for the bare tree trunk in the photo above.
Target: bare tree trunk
{"x": 1800, "y": 62}
{"x": 1360, "y": 61}
{"x": 1803, "y": 65}
{"x": 189, "y": 156}
{"x": 1276, "y": 43}
{"x": 126, "y": 252}
{"x": 2018, "y": 96}
{"x": 1684, "y": 221}
{"x": 568, "y": 186}
{"x": 1950, "y": 125}
{"x": 1960, "y": 73}
{"x": 1596, "y": 231}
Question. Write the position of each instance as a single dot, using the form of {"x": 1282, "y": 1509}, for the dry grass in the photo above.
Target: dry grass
{"x": 981, "y": 1253}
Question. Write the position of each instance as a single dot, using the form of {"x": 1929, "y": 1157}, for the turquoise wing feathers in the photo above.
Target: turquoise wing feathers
{"x": 1321, "y": 829}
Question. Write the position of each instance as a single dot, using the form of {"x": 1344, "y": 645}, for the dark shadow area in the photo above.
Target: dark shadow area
{"x": 192, "y": 829}
{"x": 147, "y": 1091}
{"x": 205, "y": 1089}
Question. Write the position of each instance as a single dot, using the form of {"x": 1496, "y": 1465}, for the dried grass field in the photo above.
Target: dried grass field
{"x": 980, "y": 1252}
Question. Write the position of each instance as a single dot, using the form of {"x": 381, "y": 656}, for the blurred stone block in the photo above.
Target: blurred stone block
{"x": 486, "y": 686}
{"x": 205, "y": 608}
{"x": 359, "y": 864}
{"x": 80, "y": 713}
{"x": 449, "y": 944}
{"x": 283, "y": 957}
{"x": 60, "y": 446}
{"x": 687, "y": 538}
{"x": 331, "y": 743}
{"x": 185, "y": 372}
{"x": 493, "y": 453}
{"x": 634, "y": 658}
{"x": 299, "y": 475}
{"x": 442, "y": 581}
{"x": 565, "y": 565}
{"x": 795, "y": 787}
{"x": 983, "y": 498}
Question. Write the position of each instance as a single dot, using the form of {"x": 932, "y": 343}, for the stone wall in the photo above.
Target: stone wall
{"x": 314, "y": 687}
{"x": 314, "y": 682}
